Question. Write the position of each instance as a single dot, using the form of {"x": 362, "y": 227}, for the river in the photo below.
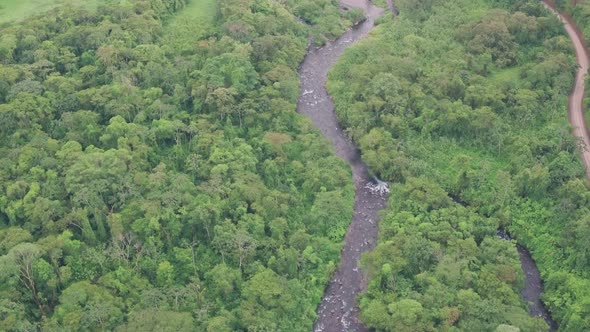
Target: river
{"x": 338, "y": 310}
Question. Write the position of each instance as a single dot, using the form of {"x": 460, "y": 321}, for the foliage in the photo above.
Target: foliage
{"x": 159, "y": 180}
{"x": 579, "y": 10}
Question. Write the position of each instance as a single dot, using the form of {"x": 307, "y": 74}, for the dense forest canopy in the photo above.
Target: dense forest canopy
{"x": 462, "y": 105}
{"x": 157, "y": 177}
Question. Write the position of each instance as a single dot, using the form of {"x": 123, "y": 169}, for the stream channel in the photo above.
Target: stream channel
{"x": 338, "y": 310}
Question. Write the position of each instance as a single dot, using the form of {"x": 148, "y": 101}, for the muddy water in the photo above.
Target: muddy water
{"x": 338, "y": 311}
{"x": 533, "y": 288}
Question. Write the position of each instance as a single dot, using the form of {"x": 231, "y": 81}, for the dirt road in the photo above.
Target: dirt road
{"x": 576, "y": 100}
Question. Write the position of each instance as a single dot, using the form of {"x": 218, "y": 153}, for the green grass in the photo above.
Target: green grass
{"x": 439, "y": 156}
{"x": 380, "y": 3}
{"x": 506, "y": 75}
{"x": 191, "y": 24}
{"x": 17, "y": 10}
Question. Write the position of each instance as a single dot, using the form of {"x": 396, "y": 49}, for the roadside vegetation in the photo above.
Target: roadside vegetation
{"x": 461, "y": 105}
{"x": 579, "y": 10}
{"x": 155, "y": 175}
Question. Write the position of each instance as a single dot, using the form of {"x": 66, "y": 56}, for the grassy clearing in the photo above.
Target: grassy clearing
{"x": 506, "y": 75}
{"x": 17, "y": 10}
{"x": 443, "y": 158}
{"x": 193, "y": 23}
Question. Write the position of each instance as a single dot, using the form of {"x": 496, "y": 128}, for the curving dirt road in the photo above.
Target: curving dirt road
{"x": 338, "y": 311}
{"x": 576, "y": 105}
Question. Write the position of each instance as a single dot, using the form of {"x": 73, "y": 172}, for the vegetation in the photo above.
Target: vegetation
{"x": 195, "y": 22}
{"x": 151, "y": 182}
{"x": 579, "y": 10}
{"x": 15, "y": 10}
{"x": 462, "y": 105}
